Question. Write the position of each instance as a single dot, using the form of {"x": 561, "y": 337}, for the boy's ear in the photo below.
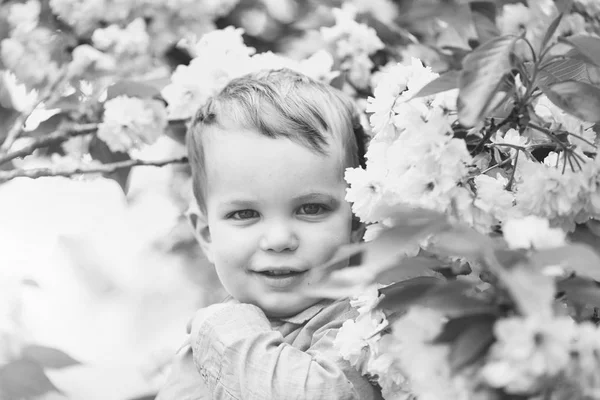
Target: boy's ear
{"x": 201, "y": 231}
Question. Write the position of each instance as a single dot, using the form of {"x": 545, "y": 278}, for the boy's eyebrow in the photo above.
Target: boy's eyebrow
{"x": 316, "y": 196}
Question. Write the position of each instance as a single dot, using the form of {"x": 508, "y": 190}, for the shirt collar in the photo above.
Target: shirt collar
{"x": 307, "y": 314}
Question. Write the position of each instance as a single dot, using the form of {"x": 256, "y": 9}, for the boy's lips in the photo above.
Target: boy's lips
{"x": 280, "y": 278}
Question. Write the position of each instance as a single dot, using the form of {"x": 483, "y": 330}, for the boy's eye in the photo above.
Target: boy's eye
{"x": 312, "y": 209}
{"x": 243, "y": 214}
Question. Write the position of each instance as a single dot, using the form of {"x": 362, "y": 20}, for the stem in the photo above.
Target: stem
{"x": 583, "y": 140}
{"x": 105, "y": 168}
{"x": 512, "y": 175}
{"x": 500, "y": 164}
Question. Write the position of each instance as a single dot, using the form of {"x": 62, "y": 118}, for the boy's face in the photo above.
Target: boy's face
{"x": 275, "y": 211}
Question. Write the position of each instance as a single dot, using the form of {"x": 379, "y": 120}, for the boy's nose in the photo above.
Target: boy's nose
{"x": 279, "y": 237}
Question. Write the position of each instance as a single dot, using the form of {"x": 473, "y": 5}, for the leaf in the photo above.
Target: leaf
{"x": 442, "y": 83}
{"x": 577, "y": 98}
{"x": 23, "y": 379}
{"x": 587, "y": 45}
{"x": 580, "y": 290}
{"x": 132, "y": 89}
{"x": 484, "y": 19}
{"x": 401, "y": 295}
{"x": 450, "y": 299}
{"x": 569, "y": 69}
{"x": 461, "y": 241}
{"x": 517, "y": 277}
{"x": 410, "y": 267}
{"x": 551, "y": 30}
{"x": 482, "y": 74}
{"x": 101, "y": 152}
{"x": 48, "y": 357}
{"x": 579, "y": 258}
{"x": 473, "y": 342}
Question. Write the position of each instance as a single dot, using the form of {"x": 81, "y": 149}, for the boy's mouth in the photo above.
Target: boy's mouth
{"x": 280, "y": 272}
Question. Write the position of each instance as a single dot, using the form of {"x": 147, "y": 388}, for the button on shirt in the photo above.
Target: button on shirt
{"x": 240, "y": 354}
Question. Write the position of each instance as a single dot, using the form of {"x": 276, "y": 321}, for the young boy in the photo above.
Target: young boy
{"x": 268, "y": 156}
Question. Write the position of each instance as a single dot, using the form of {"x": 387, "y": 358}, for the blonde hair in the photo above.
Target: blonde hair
{"x": 279, "y": 104}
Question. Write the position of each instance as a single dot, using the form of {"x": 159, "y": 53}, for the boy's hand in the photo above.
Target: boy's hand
{"x": 193, "y": 325}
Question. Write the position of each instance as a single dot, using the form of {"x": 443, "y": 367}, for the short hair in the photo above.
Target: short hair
{"x": 279, "y": 104}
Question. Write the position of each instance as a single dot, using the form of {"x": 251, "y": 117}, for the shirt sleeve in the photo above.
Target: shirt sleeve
{"x": 240, "y": 356}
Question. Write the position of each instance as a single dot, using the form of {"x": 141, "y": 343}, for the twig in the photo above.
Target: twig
{"x": 60, "y": 135}
{"x": 500, "y": 164}
{"x": 17, "y": 127}
{"x": 105, "y": 168}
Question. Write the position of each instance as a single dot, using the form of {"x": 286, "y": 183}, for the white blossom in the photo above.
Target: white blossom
{"x": 527, "y": 352}
{"x": 532, "y": 232}
{"x": 130, "y": 122}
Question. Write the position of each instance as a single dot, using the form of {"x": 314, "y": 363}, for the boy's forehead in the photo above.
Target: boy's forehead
{"x": 245, "y": 157}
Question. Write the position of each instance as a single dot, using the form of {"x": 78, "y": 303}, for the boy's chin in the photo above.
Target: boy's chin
{"x": 282, "y": 309}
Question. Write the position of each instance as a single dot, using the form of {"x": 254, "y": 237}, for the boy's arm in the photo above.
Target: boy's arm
{"x": 240, "y": 356}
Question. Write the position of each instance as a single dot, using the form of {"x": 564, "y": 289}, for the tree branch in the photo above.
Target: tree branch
{"x": 60, "y": 135}
{"x": 16, "y": 130}
{"x": 88, "y": 169}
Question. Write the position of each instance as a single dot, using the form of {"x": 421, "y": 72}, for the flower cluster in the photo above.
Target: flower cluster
{"x": 413, "y": 158}
{"x": 130, "y": 122}
{"x": 354, "y": 43}
{"x": 220, "y": 56}
{"x": 29, "y": 46}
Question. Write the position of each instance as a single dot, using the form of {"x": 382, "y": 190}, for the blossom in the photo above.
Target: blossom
{"x": 585, "y": 363}
{"x": 492, "y": 197}
{"x": 354, "y": 43}
{"x": 513, "y": 138}
{"x": 24, "y": 16}
{"x": 132, "y": 40}
{"x": 25, "y": 54}
{"x": 532, "y": 232}
{"x": 82, "y": 15}
{"x": 355, "y": 338}
{"x": 564, "y": 194}
{"x": 130, "y": 122}
{"x": 527, "y": 352}
{"x": 513, "y": 19}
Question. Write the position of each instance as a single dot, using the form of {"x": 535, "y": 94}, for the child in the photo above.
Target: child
{"x": 268, "y": 156}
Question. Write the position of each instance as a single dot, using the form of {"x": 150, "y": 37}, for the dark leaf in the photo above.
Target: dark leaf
{"x": 101, "y": 152}
{"x": 48, "y": 357}
{"x": 401, "y": 295}
{"x": 484, "y": 18}
{"x": 578, "y": 258}
{"x": 589, "y": 296}
{"x": 575, "y": 283}
{"x": 468, "y": 337}
{"x": 587, "y": 45}
{"x": 481, "y": 77}
{"x": 177, "y": 130}
{"x": 451, "y": 300}
{"x": 407, "y": 268}
{"x": 577, "y": 98}
{"x": 23, "y": 379}
{"x": 442, "y": 83}
{"x": 510, "y": 258}
{"x": 132, "y": 89}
